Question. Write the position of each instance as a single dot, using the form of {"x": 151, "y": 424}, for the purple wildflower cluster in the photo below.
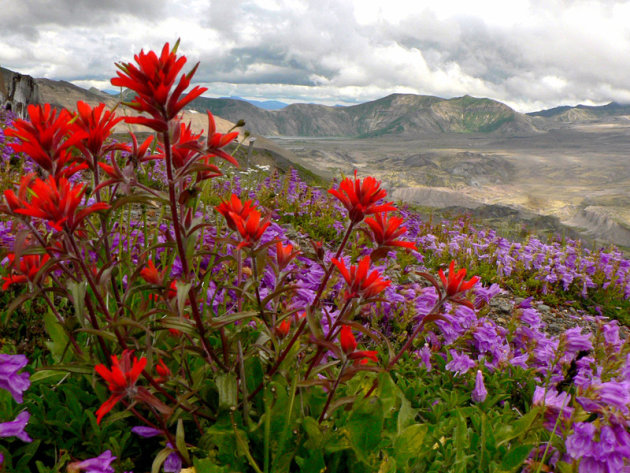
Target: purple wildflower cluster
{"x": 15, "y": 382}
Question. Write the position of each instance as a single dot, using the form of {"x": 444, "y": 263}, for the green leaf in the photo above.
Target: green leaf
{"x": 364, "y": 426}
{"x": 518, "y": 428}
{"x": 58, "y": 338}
{"x": 160, "y": 459}
{"x": 409, "y": 443}
{"x": 182, "y": 295}
{"x": 227, "y": 387}
{"x": 312, "y": 429}
{"x": 515, "y": 457}
{"x": 388, "y": 393}
{"x": 46, "y": 375}
{"x": 388, "y": 465}
{"x": 206, "y": 465}
{"x": 314, "y": 463}
{"x": 180, "y": 441}
{"x": 218, "y": 322}
{"x": 77, "y": 291}
{"x": 406, "y": 414}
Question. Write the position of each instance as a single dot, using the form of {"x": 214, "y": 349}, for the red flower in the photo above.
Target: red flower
{"x": 185, "y": 145}
{"x": 250, "y": 228}
{"x": 163, "y": 371}
{"x": 28, "y": 269}
{"x": 54, "y": 201}
{"x": 234, "y": 206}
{"x": 97, "y": 124}
{"x": 282, "y": 330}
{"x": 46, "y": 139}
{"x": 386, "y": 230}
{"x": 154, "y": 81}
{"x": 121, "y": 380}
{"x": 360, "y": 284}
{"x": 284, "y": 255}
{"x": 455, "y": 282}
{"x": 151, "y": 274}
{"x": 347, "y": 340}
{"x": 363, "y": 356}
{"x": 360, "y": 198}
{"x": 216, "y": 141}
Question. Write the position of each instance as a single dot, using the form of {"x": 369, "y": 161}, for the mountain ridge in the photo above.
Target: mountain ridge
{"x": 395, "y": 114}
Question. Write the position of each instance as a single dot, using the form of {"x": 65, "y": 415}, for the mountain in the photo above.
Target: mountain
{"x": 582, "y": 113}
{"x": 264, "y": 104}
{"x": 63, "y": 94}
{"x": 396, "y": 114}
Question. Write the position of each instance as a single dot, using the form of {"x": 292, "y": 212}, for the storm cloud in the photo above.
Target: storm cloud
{"x": 528, "y": 54}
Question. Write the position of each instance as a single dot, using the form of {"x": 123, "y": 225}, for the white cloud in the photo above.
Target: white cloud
{"x": 529, "y": 54}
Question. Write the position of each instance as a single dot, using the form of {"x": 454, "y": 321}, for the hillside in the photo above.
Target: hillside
{"x": 583, "y": 113}
{"x": 396, "y": 114}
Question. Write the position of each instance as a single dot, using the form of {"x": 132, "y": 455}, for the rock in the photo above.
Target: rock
{"x": 17, "y": 92}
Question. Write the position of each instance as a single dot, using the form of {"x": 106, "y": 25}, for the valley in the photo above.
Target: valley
{"x": 572, "y": 179}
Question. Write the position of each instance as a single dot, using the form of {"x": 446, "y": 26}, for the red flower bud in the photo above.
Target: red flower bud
{"x": 347, "y": 340}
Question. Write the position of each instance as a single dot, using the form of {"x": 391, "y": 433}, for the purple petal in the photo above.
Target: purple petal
{"x": 16, "y": 427}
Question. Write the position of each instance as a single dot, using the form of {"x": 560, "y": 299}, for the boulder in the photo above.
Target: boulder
{"x": 17, "y": 92}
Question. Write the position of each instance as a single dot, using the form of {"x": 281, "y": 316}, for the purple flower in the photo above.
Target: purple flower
{"x": 16, "y": 428}
{"x": 173, "y": 463}
{"x": 480, "y": 393}
{"x": 574, "y": 341}
{"x": 460, "y": 363}
{"x": 555, "y": 403}
{"x": 615, "y": 394}
{"x": 146, "y": 432}
{"x": 100, "y": 464}
{"x": 14, "y": 382}
{"x": 580, "y": 442}
{"x": 425, "y": 356}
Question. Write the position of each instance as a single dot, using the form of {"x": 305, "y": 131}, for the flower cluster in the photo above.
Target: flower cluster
{"x": 15, "y": 382}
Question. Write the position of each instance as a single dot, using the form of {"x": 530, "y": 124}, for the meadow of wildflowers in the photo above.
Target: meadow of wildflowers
{"x": 199, "y": 316}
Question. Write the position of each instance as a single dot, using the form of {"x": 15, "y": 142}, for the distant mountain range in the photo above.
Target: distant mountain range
{"x": 264, "y": 104}
{"x": 396, "y": 114}
{"x": 584, "y": 112}
{"x": 404, "y": 115}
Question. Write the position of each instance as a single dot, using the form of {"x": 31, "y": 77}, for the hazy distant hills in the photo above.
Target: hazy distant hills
{"x": 264, "y": 104}
{"x": 396, "y": 114}
{"x": 581, "y": 113}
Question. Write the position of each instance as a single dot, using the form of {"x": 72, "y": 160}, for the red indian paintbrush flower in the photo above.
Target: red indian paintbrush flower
{"x": 346, "y": 339}
{"x": 250, "y": 227}
{"x": 151, "y": 274}
{"x": 349, "y": 345}
{"x": 57, "y": 202}
{"x": 97, "y": 125}
{"x": 163, "y": 371}
{"x": 121, "y": 380}
{"x": 360, "y": 283}
{"x": 28, "y": 269}
{"x": 385, "y": 231}
{"x": 216, "y": 141}
{"x": 234, "y": 206}
{"x": 282, "y": 329}
{"x": 284, "y": 255}
{"x": 154, "y": 80}
{"x": 455, "y": 283}
{"x": 46, "y": 138}
{"x": 360, "y": 198}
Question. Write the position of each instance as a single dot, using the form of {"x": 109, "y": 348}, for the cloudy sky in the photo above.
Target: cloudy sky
{"x": 529, "y": 54}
